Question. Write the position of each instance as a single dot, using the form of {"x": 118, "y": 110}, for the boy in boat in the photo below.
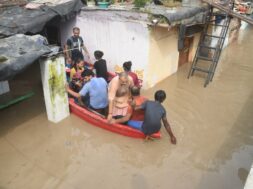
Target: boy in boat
{"x": 100, "y": 65}
{"x": 154, "y": 113}
{"x": 137, "y": 115}
{"x": 93, "y": 94}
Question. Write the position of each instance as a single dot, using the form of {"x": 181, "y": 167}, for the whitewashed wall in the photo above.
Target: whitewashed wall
{"x": 119, "y": 38}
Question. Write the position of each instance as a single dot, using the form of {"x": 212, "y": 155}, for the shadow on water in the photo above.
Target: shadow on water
{"x": 13, "y": 116}
{"x": 234, "y": 156}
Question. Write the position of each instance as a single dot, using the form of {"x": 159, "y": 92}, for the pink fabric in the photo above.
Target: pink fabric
{"x": 116, "y": 111}
{"x": 135, "y": 78}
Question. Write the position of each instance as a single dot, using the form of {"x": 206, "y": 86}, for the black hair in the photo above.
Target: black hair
{"x": 127, "y": 66}
{"x": 87, "y": 72}
{"x": 160, "y": 96}
{"x": 98, "y": 54}
{"x": 135, "y": 91}
{"x": 76, "y": 28}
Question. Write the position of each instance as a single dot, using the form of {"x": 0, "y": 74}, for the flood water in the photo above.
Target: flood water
{"x": 213, "y": 125}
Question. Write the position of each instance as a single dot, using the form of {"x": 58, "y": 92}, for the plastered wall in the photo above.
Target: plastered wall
{"x": 163, "y": 55}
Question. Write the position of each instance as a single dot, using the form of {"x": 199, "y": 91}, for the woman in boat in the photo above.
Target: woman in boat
{"x": 77, "y": 68}
{"x": 127, "y": 68}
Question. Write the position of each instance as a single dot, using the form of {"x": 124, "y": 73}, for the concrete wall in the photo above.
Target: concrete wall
{"x": 163, "y": 55}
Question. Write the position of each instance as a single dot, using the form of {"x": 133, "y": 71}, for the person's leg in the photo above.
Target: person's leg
{"x": 135, "y": 124}
{"x": 86, "y": 100}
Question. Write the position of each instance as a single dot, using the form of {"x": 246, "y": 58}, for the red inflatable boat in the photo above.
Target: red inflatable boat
{"x": 98, "y": 121}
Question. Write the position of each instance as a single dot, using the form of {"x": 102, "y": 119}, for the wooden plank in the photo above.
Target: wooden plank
{"x": 229, "y": 11}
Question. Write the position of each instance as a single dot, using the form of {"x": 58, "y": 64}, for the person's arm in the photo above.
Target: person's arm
{"x": 168, "y": 129}
{"x": 73, "y": 93}
{"x": 111, "y": 95}
{"x": 86, "y": 50}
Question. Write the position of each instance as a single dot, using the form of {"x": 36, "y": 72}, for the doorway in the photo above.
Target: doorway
{"x": 185, "y": 52}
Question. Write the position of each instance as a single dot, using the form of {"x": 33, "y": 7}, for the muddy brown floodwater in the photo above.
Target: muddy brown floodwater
{"x": 213, "y": 125}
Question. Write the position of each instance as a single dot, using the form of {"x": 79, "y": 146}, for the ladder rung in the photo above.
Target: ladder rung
{"x": 219, "y": 25}
{"x": 204, "y": 58}
{"x": 214, "y": 36}
{"x": 200, "y": 69}
{"x": 208, "y": 47}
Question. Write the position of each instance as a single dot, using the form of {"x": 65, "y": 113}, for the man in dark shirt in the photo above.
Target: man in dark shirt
{"x": 74, "y": 47}
{"x": 154, "y": 113}
{"x": 100, "y": 65}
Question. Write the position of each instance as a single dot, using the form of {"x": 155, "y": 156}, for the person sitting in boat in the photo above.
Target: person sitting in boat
{"x": 93, "y": 94}
{"x": 127, "y": 68}
{"x": 137, "y": 115}
{"x": 121, "y": 80}
{"x": 121, "y": 109}
{"x": 100, "y": 65}
{"x": 76, "y": 83}
{"x": 154, "y": 113}
{"x": 77, "y": 69}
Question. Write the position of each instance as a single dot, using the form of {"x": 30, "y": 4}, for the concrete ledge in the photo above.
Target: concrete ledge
{"x": 249, "y": 181}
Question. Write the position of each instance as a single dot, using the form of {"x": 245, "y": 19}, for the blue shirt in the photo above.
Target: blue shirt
{"x": 97, "y": 90}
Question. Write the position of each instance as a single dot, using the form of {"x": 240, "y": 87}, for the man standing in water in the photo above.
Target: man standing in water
{"x": 74, "y": 47}
{"x": 154, "y": 113}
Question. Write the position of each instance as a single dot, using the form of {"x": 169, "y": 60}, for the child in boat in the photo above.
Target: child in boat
{"x": 77, "y": 68}
{"x": 121, "y": 109}
{"x": 100, "y": 65}
{"x": 137, "y": 115}
{"x": 76, "y": 83}
{"x": 154, "y": 113}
